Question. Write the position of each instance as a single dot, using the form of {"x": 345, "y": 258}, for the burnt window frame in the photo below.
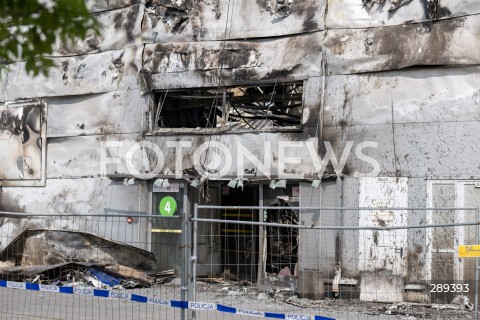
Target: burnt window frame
{"x": 222, "y": 96}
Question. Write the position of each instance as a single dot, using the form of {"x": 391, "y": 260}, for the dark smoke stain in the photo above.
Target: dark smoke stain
{"x": 234, "y": 57}
{"x": 348, "y": 171}
{"x": 434, "y": 11}
{"x": 395, "y": 5}
{"x": 133, "y": 66}
{"x": 375, "y": 237}
{"x": 244, "y": 74}
{"x": 118, "y": 20}
{"x": 145, "y": 80}
{"x": 196, "y": 19}
{"x": 346, "y": 98}
{"x": 65, "y": 71}
{"x": 342, "y": 123}
{"x": 30, "y": 120}
{"x": 415, "y": 263}
{"x": 309, "y": 24}
{"x": 282, "y": 73}
{"x": 10, "y": 122}
{"x": 130, "y": 23}
{"x": 443, "y": 12}
{"x": 237, "y": 56}
{"x": 118, "y": 62}
{"x": 174, "y": 14}
{"x": 335, "y": 44}
{"x": 9, "y": 205}
{"x": 398, "y": 44}
{"x": 93, "y": 43}
{"x": 117, "y": 66}
{"x": 125, "y": 21}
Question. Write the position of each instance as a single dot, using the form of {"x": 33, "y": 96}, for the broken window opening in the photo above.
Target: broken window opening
{"x": 266, "y": 106}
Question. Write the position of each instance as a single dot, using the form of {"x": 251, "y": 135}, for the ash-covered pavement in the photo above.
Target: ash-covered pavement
{"x": 22, "y": 304}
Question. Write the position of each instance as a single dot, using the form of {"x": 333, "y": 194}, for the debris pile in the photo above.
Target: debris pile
{"x": 73, "y": 258}
{"x": 415, "y": 309}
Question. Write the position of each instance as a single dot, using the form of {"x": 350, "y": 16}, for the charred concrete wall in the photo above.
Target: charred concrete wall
{"x": 402, "y": 74}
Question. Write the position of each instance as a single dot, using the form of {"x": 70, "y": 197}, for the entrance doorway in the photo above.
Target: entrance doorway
{"x": 240, "y": 241}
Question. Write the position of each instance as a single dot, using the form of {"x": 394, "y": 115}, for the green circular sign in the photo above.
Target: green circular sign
{"x": 167, "y": 206}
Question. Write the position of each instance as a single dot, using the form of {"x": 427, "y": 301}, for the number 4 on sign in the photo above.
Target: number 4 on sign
{"x": 167, "y": 206}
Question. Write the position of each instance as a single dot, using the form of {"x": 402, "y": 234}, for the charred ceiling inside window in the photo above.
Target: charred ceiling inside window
{"x": 256, "y": 107}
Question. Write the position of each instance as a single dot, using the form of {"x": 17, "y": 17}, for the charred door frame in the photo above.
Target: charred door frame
{"x": 250, "y": 271}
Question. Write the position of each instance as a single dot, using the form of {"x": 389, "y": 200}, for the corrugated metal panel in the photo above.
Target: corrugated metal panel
{"x": 443, "y": 149}
{"x": 187, "y": 20}
{"x": 339, "y": 136}
{"x": 84, "y": 196}
{"x": 238, "y": 60}
{"x": 396, "y": 47}
{"x": 357, "y": 14}
{"x": 122, "y": 29}
{"x": 93, "y": 73}
{"x": 432, "y": 95}
{"x": 81, "y": 156}
{"x": 115, "y": 112}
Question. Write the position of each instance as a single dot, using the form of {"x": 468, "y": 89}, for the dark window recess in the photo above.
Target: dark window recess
{"x": 249, "y": 107}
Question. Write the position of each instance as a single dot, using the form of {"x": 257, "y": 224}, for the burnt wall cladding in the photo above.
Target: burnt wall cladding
{"x": 276, "y": 47}
{"x": 110, "y": 68}
{"x": 192, "y": 44}
{"x": 292, "y": 49}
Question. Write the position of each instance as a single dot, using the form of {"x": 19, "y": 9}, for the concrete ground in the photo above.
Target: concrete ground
{"x": 21, "y": 304}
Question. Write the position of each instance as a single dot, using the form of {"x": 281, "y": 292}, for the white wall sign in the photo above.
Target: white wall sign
{"x": 173, "y": 187}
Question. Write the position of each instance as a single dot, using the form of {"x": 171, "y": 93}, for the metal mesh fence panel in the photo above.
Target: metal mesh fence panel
{"x": 380, "y": 262}
{"x": 84, "y": 267}
{"x": 240, "y": 263}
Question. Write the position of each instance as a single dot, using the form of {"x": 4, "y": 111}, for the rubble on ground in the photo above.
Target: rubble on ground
{"x": 66, "y": 258}
{"x": 247, "y": 293}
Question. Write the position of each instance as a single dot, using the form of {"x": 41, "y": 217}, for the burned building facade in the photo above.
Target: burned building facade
{"x": 388, "y": 91}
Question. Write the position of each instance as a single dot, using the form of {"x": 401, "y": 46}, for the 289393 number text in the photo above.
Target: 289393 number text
{"x": 450, "y": 287}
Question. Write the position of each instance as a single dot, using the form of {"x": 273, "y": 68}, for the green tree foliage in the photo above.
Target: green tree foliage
{"x": 29, "y": 29}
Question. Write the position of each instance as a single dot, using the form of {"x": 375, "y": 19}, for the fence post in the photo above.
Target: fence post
{"x": 193, "y": 259}
{"x": 184, "y": 265}
{"x": 477, "y": 266}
